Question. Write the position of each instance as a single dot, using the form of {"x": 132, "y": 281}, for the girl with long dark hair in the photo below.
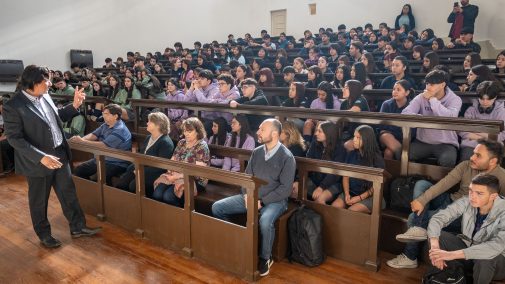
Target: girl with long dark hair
{"x": 357, "y": 195}
{"x": 219, "y": 137}
{"x": 477, "y": 75}
{"x": 327, "y": 146}
{"x": 430, "y": 60}
{"x": 325, "y": 100}
{"x": 314, "y": 77}
{"x": 358, "y": 72}
{"x": 369, "y": 61}
{"x": 342, "y": 75}
{"x": 500, "y": 63}
{"x": 296, "y": 96}
{"x": 437, "y": 44}
{"x": 391, "y": 137}
{"x": 123, "y": 96}
{"x": 240, "y": 138}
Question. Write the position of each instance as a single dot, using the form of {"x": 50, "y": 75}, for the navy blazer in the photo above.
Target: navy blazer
{"x": 30, "y": 135}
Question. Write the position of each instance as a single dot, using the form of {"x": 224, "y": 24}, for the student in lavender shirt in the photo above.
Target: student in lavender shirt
{"x": 174, "y": 93}
{"x": 325, "y": 100}
{"x": 204, "y": 90}
{"x": 487, "y": 107}
{"x": 220, "y": 137}
{"x": 240, "y": 138}
{"x": 226, "y": 93}
{"x": 436, "y": 100}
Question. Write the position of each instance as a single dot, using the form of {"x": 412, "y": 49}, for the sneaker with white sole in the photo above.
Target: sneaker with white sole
{"x": 413, "y": 234}
{"x": 264, "y": 266}
{"x": 402, "y": 261}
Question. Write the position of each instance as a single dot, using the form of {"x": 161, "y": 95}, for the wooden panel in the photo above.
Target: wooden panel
{"x": 121, "y": 208}
{"x": 163, "y": 224}
{"x": 281, "y": 240}
{"x": 345, "y": 233}
{"x": 432, "y": 171}
{"x": 392, "y": 226}
{"x": 80, "y": 156}
{"x": 90, "y": 196}
{"x": 220, "y": 243}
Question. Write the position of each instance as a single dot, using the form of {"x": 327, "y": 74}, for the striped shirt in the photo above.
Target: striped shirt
{"x": 49, "y": 115}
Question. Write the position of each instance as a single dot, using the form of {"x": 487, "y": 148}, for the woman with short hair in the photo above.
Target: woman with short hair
{"x": 157, "y": 144}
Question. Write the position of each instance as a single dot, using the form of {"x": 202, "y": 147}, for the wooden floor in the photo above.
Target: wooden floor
{"x": 116, "y": 256}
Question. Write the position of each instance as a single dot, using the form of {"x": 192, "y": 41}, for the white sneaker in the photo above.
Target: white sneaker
{"x": 402, "y": 261}
{"x": 413, "y": 234}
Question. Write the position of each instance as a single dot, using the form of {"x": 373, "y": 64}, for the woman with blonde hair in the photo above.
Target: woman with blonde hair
{"x": 292, "y": 139}
{"x": 157, "y": 144}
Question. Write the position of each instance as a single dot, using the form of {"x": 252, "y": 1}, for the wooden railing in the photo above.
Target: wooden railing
{"x": 183, "y": 229}
{"x": 406, "y": 122}
{"x": 341, "y": 234}
{"x": 226, "y": 245}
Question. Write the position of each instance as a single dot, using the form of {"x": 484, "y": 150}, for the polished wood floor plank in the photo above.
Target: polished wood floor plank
{"x": 117, "y": 256}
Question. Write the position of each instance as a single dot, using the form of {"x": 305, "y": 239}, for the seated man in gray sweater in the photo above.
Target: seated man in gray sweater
{"x": 273, "y": 163}
{"x": 482, "y": 242}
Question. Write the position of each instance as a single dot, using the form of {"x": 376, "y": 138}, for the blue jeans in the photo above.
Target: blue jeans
{"x": 440, "y": 202}
{"x": 225, "y": 208}
{"x": 165, "y": 193}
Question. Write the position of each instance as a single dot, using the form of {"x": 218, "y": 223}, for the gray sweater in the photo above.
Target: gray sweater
{"x": 488, "y": 242}
{"x": 278, "y": 172}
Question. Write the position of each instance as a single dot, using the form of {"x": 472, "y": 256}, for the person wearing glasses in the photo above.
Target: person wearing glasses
{"x": 251, "y": 95}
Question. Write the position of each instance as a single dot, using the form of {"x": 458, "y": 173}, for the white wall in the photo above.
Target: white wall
{"x": 43, "y": 32}
{"x": 428, "y": 14}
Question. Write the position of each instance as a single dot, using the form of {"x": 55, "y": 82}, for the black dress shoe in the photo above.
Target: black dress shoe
{"x": 50, "y": 242}
{"x": 85, "y": 232}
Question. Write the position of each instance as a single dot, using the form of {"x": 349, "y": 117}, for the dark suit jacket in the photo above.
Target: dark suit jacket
{"x": 30, "y": 135}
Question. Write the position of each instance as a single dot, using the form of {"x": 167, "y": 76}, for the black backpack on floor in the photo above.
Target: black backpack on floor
{"x": 305, "y": 237}
{"x": 401, "y": 192}
{"x": 454, "y": 273}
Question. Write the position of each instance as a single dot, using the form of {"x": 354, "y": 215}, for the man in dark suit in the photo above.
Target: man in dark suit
{"x": 33, "y": 126}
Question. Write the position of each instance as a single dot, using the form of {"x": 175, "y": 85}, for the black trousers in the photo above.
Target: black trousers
{"x": 7, "y": 154}
{"x": 482, "y": 270}
{"x": 39, "y": 189}
{"x": 88, "y": 168}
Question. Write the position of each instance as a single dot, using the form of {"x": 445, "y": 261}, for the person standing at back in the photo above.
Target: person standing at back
{"x": 462, "y": 17}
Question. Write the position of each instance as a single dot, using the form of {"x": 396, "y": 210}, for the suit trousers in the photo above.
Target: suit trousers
{"x": 39, "y": 189}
